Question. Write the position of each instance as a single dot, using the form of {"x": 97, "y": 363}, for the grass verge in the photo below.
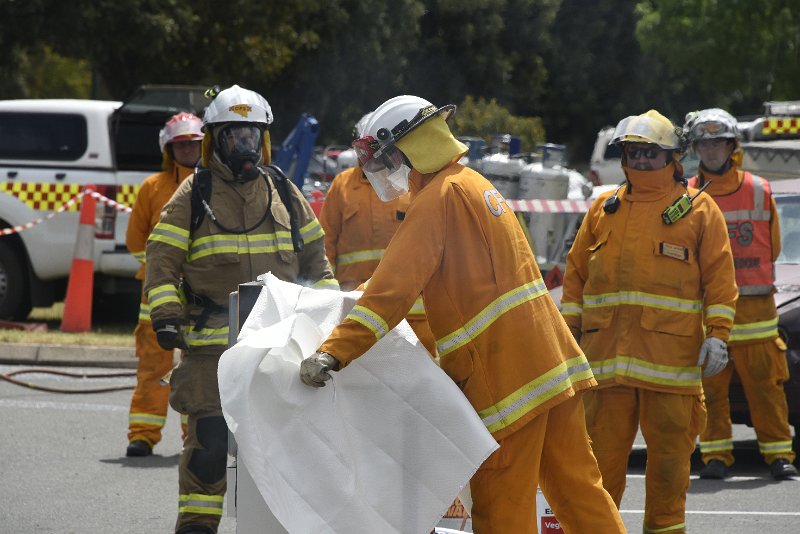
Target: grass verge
{"x": 110, "y": 334}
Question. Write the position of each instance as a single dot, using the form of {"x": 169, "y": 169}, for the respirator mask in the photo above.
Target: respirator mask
{"x": 238, "y": 146}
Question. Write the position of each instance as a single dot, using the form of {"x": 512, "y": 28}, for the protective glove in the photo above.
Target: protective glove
{"x": 714, "y": 354}
{"x": 168, "y": 335}
{"x": 314, "y": 369}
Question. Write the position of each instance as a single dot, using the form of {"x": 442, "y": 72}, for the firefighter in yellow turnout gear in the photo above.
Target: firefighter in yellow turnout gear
{"x": 254, "y": 221}
{"x": 180, "y": 141}
{"x": 499, "y": 334}
{"x": 756, "y": 351}
{"x": 651, "y": 296}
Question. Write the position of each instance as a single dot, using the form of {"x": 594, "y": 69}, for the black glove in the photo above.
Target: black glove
{"x": 168, "y": 335}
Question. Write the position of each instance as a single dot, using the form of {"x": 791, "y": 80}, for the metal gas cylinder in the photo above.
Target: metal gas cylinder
{"x": 504, "y": 173}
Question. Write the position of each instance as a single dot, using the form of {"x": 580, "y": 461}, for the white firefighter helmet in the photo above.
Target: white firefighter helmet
{"x": 347, "y": 159}
{"x": 651, "y": 127}
{"x": 710, "y": 123}
{"x": 361, "y": 125}
{"x": 181, "y": 127}
{"x": 385, "y": 166}
{"x": 236, "y": 104}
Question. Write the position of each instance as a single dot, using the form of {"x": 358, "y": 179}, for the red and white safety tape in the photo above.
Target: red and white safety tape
{"x": 100, "y": 198}
{"x": 113, "y": 203}
{"x": 550, "y": 206}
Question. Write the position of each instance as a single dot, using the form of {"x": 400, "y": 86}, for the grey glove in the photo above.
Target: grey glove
{"x": 714, "y": 354}
{"x": 314, "y": 369}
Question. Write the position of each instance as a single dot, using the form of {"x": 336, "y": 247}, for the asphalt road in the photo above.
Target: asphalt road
{"x": 63, "y": 469}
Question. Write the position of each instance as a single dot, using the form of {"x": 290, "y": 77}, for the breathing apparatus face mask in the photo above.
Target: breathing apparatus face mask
{"x": 239, "y": 147}
{"x": 385, "y": 168}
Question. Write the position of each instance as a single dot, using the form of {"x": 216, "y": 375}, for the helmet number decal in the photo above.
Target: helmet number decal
{"x": 495, "y": 201}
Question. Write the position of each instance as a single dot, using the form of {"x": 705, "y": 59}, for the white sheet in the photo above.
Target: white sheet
{"x": 384, "y": 447}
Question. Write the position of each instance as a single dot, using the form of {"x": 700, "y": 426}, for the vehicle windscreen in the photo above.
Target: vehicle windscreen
{"x": 789, "y": 215}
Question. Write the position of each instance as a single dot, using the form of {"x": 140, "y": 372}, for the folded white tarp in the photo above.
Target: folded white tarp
{"x": 384, "y": 447}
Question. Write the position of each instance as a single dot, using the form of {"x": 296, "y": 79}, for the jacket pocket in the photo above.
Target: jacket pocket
{"x": 670, "y": 322}
{"x": 458, "y": 366}
{"x": 599, "y": 265}
{"x": 674, "y": 266}
{"x": 596, "y": 318}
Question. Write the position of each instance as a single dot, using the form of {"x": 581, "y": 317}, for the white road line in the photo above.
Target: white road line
{"x": 697, "y": 477}
{"x": 70, "y": 406}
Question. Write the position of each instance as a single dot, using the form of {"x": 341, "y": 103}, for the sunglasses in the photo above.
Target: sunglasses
{"x": 649, "y": 153}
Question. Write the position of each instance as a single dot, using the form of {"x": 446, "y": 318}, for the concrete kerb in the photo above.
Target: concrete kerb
{"x": 67, "y": 355}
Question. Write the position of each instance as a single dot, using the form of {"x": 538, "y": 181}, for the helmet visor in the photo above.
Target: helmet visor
{"x": 711, "y": 130}
{"x": 240, "y": 138}
{"x": 386, "y": 171}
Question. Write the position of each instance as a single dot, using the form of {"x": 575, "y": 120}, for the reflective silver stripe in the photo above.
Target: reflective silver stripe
{"x": 755, "y": 290}
{"x": 720, "y": 310}
{"x": 327, "y": 283}
{"x": 144, "y": 311}
{"x": 84, "y": 246}
{"x": 640, "y": 298}
{"x": 240, "y": 244}
{"x": 746, "y": 215}
{"x": 311, "y": 232}
{"x": 163, "y": 294}
{"x": 571, "y": 308}
{"x": 489, "y": 315}
{"x": 535, "y": 393}
{"x": 369, "y": 319}
{"x": 359, "y": 256}
{"x": 139, "y": 256}
{"x": 760, "y": 330}
{"x": 720, "y": 445}
{"x": 758, "y": 194}
{"x": 206, "y": 336}
{"x": 200, "y": 504}
{"x": 665, "y": 375}
{"x": 774, "y": 447}
{"x": 171, "y": 235}
{"x": 146, "y": 419}
{"x": 418, "y": 308}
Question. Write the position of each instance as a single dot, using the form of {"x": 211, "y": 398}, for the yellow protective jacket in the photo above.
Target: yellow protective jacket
{"x": 639, "y": 290}
{"x": 155, "y": 191}
{"x": 756, "y": 316}
{"x": 498, "y": 333}
{"x": 358, "y": 226}
{"x": 213, "y": 262}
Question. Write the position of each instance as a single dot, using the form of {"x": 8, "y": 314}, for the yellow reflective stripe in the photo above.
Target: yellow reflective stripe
{"x": 678, "y": 526}
{"x": 640, "y": 298}
{"x": 775, "y": 447}
{"x": 535, "y": 393}
{"x": 370, "y": 320}
{"x": 184, "y": 419}
{"x": 144, "y": 311}
{"x": 163, "y": 294}
{"x": 760, "y": 330}
{"x": 240, "y": 244}
{"x": 418, "y": 308}
{"x": 571, "y": 308}
{"x": 146, "y": 419}
{"x": 198, "y": 503}
{"x": 475, "y": 326}
{"x": 665, "y": 375}
{"x": 312, "y": 231}
{"x": 359, "y": 256}
{"x": 326, "y": 283}
{"x": 139, "y": 256}
{"x": 171, "y": 235}
{"x": 720, "y": 445}
{"x": 206, "y": 336}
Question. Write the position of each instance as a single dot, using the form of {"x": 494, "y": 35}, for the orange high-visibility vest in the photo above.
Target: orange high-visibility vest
{"x": 747, "y": 214}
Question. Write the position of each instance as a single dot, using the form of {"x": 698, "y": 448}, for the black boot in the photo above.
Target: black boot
{"x": 714, "y": 469}
{"x": 782, "y": 469}
{"x": 139, "y": 447}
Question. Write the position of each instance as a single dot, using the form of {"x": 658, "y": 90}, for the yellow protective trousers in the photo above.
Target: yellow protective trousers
{"x": 553, "y": 452}
{"x": 203, "y": 462}
{"x": 762, "y": 370}
{"x": 670, "y": 424}
{"x": 148, "y": 411}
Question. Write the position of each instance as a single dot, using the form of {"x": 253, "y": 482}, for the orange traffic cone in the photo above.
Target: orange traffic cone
{"x": 78, "y": 302}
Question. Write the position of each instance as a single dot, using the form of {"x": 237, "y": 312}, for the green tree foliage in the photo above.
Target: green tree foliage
{"x": 738, "y": 52}
{"x": 482, "y": 118}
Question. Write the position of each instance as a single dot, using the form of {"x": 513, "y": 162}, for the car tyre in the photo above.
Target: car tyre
{"x": 15, "y": 301}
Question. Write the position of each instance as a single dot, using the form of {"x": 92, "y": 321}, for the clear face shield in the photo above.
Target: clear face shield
{"x": 385, "y": 168}
{"x": 239, "y": 147}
